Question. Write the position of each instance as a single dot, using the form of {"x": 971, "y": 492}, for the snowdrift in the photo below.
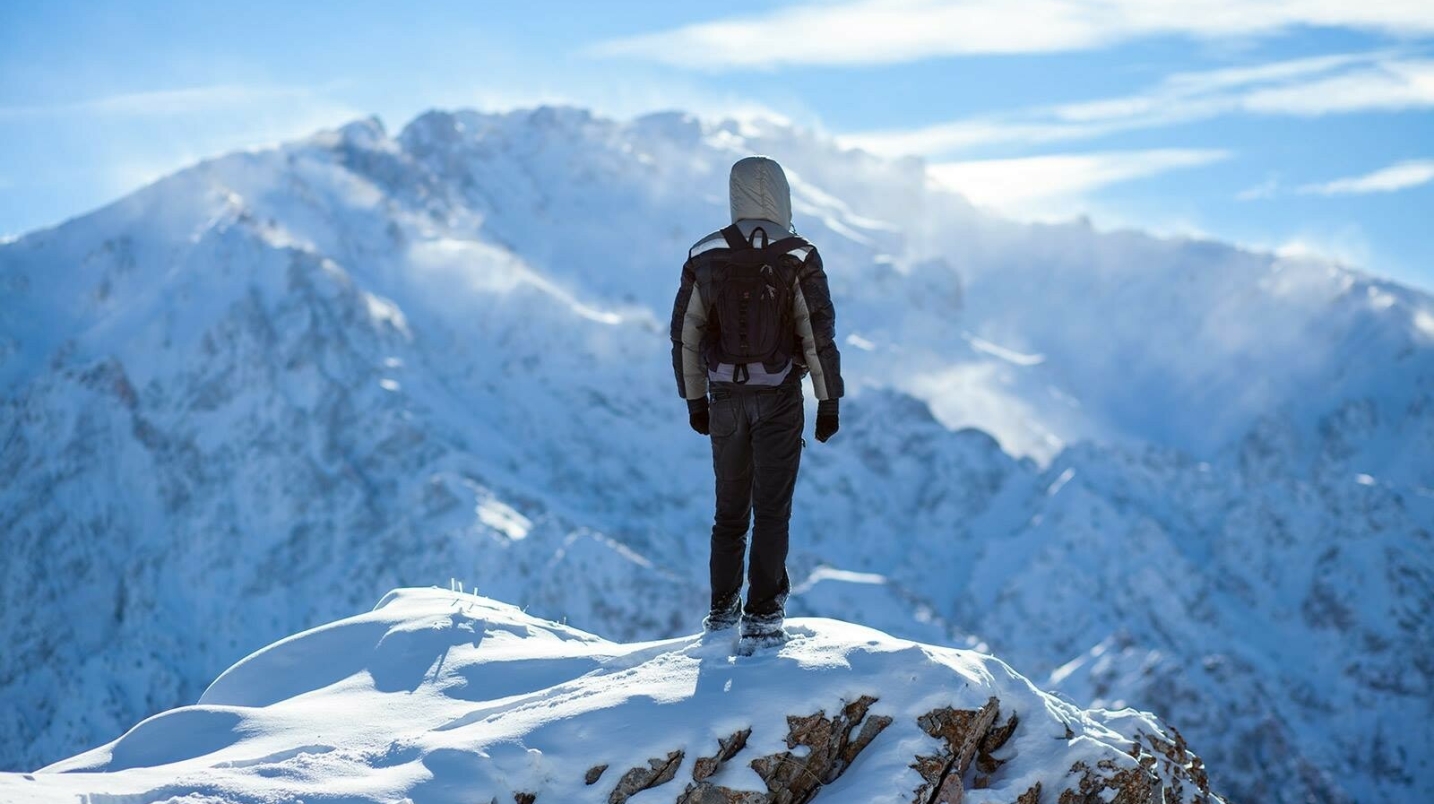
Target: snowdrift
{"x": 438, "y": 696}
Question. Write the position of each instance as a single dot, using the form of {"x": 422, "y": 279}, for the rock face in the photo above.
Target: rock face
{"x": 1164, "y": 769}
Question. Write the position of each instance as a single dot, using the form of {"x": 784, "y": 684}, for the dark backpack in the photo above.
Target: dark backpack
{"x": 751, "y": 307}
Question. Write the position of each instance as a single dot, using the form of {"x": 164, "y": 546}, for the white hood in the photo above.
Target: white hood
{"x": 759, "y": 191}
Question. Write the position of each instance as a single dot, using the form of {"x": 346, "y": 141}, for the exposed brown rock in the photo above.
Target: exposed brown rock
{"x": 1156, "y": 770}
{"x": 962, "y": 731}
{"x": 524, "y": 798}
{"x": 1163, "y": 773}
{"x": 1174, "y": 762}
{"x": 726, "y": 749}
{"x": 1131, "y": 785}
{"x": 658, "y": 771}
{"x": 704, "y": 793}
{"x": 992, "y": 742}
{"x": 1032, "y": 796}
{"x": 794, "y": 779}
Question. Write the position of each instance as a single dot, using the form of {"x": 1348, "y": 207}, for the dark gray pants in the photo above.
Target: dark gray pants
{"x": 756, "y": 449}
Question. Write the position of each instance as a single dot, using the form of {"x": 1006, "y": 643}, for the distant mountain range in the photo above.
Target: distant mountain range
{"x": 257, "y": 394}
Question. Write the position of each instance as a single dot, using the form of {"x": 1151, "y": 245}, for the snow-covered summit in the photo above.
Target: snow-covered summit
{"x": 1161, "y": 472}
{"x": 441, "y": 697}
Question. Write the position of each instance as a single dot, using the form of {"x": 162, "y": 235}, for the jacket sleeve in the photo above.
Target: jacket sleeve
{"x": 815, "y": 318}
{"x": 689, "y": 325}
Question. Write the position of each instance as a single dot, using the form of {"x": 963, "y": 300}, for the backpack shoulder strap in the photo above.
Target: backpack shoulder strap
{"x": 788, "y": 244}
{"x": 735, "y": 240}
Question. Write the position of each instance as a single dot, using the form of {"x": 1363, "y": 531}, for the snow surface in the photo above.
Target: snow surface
{"x": 284, "y": 381}
{"x": 439, "y": 696}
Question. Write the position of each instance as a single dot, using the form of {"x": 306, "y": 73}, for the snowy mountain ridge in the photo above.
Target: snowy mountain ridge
{"x": 283, "y": 381}
{"x": 446, "y": 697}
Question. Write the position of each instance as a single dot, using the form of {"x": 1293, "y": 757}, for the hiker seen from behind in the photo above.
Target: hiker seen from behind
{"x": 754, "y": 315}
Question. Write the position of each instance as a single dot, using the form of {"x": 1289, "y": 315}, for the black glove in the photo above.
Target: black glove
{"x": 827, "y": 424}
{"x": 697, "y": 415}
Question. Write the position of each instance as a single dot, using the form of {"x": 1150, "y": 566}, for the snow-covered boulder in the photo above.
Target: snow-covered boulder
{"x": 440, "y": 696}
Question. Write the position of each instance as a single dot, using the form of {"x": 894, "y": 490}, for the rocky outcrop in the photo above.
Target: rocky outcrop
{"x": 793, "y": 776}
{"x": 1156, "y": 770}
{"x": 961, "y": 733}
{"x": 705, "y": 767}
{"x": 831, "y": 748}
{"x": 1166, "y": 771}
{"x": 657, "y": 771}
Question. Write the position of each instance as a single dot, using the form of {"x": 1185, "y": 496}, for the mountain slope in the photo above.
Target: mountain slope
{"x": 438, "y": 696}
{"x": 284, "y": 381}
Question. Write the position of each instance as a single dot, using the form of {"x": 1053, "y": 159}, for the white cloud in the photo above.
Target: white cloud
{"x": 1054, "y": 186}
{"x": 892, "y": 31}
{"x": 1268, "y": 188}
{"x": 1389, "y": 179}
{"x": 1384, "y": 86}
{"x": 1345, "y": 83}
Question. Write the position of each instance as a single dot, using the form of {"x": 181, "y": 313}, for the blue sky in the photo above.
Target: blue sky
{"x": 1282, "y": 124}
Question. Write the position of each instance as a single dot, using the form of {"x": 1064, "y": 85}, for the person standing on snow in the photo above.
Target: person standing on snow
{"x": 752, "y": 316}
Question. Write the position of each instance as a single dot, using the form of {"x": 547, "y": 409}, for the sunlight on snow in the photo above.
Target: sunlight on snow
{"x": 487, "y": 269}
{"x": 833, "y": 574}
{"x": 1380, "y": 300}
{"x": 857, "y": 342}
{"x": 503, "y": 519}
{"x": 1424, "y": 322}
{"x": 383, "y": 310}
{"x": 1060, "y": 483}
{"x": 1009, "y": 355}
{"x": 978, "y": 395}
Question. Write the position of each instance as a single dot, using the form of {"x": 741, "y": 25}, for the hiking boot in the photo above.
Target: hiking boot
{"x": 722, "y": 617}
{"x": 760, "y": 631}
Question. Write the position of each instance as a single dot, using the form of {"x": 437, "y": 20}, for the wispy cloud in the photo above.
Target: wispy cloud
{"x": 891, "y": 31}
{"x": 1344, "y": 83}
{"x": 1056, "y": 185}
{"x": 1268, "y": 188}
{"x": 170, "y": 102}
{"x": 1400, "y": 176}
{"x": 1386, "y": 85}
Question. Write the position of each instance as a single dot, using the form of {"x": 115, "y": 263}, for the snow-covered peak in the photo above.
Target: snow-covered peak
{"x": 442, "y": 696}
{"x": 1167, "y": 472}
